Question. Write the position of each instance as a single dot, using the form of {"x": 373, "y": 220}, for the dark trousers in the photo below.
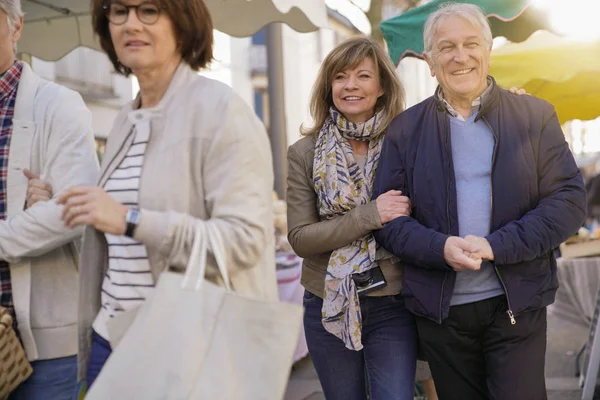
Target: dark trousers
{"x": 385, "y": 368}
{"x": 476, "y": 353}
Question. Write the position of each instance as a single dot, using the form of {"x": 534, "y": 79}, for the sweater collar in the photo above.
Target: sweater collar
{"x": 482, "y": 104}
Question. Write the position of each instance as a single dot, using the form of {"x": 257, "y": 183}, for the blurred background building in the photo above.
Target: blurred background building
{"x": 242, "y": 64}
{"x": 239, "y": 62}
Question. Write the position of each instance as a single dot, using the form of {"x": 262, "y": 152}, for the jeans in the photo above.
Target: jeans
{"x": 54, "y": 379}
{"x": 99, "y": 354}
{"x": 477, "y": 354}
{"x": 384, "y": 369}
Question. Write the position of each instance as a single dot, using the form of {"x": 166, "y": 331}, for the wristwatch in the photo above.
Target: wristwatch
{"x": 132, "y": 219}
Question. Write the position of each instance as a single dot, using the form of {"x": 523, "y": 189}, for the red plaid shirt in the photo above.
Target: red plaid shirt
{"x": 9, "y": 82}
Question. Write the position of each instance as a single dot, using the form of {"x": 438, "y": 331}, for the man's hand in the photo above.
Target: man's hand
{"x": 37, "y": 190}
{"x": 457, "y": 252}
{"x": 484, "y": 252}
{"x": 392, "y": 205}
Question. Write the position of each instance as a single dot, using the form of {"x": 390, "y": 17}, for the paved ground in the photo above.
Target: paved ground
{"x": 304, "y": 383}
{"x": 564, "y": 340}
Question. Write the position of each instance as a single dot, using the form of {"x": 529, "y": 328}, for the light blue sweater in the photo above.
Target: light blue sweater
{"x": 472, "y": 149}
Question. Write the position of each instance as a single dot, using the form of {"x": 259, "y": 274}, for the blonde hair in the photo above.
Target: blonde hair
{"x": 347, "y": 55}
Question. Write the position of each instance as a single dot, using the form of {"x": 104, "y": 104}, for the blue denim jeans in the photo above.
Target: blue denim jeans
{"x": 54, "y": 379}
{"x": 98, "y": 355}
{"x": 385, "y": 368}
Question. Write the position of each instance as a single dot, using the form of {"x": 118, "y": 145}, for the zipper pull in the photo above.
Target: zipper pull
{"x": 513, "y": 321}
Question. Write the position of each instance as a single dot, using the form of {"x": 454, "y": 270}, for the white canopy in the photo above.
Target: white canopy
{"x": 55, "y": 27}
{"x": 246, "y": 17}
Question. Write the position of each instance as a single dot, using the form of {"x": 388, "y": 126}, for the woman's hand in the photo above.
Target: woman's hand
{"x": 37, "y": 190}
{"x": 91, "y": 205}
{"x": 392, "y": 205}
{"x": 517, "y": 91}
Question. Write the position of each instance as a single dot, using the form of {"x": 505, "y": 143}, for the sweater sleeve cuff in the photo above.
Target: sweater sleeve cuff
{"x": 438, "y": 243}
{"x": 497, "y": 248}
{"x": 153, "y": 230}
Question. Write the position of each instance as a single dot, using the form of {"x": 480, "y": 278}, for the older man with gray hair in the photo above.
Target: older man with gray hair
{"x": 494, "y": 190}
{"x": 45, "y": 130}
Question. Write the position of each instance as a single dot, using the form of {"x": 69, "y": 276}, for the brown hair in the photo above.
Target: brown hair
{"x": 349, "y": 54}
{"x": 193, "y": 31}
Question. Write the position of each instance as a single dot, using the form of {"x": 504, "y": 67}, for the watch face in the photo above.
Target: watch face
{"x": 133, "y": 216}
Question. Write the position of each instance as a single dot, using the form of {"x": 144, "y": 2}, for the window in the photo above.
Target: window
{"x": 260, "y": 37}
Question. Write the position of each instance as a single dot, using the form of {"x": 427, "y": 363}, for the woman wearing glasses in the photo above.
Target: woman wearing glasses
{"x": 186, "y": 151}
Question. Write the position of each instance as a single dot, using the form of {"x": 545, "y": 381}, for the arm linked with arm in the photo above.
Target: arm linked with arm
{"x": 309, "y": 236}
{"x": 561, "y": 209}
{"x": 404, "y": 237}
{"x": 70, "y": 160}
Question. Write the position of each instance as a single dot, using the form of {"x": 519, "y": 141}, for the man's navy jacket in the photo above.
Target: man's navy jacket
{"x": 538, "y": 200}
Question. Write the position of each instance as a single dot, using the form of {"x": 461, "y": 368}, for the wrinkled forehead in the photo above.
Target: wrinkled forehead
{"x": 457, "y": 27}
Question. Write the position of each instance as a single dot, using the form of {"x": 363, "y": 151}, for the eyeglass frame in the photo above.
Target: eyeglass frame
{"x": 106, "y": 8}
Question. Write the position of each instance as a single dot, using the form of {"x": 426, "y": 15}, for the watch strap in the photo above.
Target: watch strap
{"x": 132, "y": 219}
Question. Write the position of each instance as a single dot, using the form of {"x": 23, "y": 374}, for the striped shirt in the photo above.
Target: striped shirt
{"x": 128, "y": 281}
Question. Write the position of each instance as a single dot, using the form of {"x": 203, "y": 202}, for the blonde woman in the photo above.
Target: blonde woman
{"x": 359, "y": 343}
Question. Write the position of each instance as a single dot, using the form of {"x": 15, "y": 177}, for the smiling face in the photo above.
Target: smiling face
{"x": 459, "y": 59}
{"x": 355, "y": 91}
{"x": 144, "y": 47}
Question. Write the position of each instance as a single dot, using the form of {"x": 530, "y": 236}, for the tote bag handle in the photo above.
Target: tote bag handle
{"x": 206, "y": 235}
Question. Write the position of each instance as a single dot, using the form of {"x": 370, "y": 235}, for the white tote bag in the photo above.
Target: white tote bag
{"x": 193, "y": 339}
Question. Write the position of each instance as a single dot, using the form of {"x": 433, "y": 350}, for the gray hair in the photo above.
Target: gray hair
{"x": 13, "y": 11}
{"x": 470, "y": 12}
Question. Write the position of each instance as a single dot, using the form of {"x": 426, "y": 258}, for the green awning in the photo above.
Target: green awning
{"x": 514, "y": 19}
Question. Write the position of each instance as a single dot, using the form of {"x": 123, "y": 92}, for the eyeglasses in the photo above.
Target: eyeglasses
{"x": 146, "y": 12}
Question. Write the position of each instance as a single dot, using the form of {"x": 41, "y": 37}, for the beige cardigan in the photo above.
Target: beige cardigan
{"x": 208, "y": 161}
{"x": 52, "y": 136}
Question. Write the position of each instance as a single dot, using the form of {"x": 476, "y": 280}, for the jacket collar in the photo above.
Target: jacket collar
{"x": 487, "y": 102}
{"x": 122, "y": 130}
{"x": 26, "y": 92}
{"x": 23, "y": 128}
{"x": 182, "y": 74}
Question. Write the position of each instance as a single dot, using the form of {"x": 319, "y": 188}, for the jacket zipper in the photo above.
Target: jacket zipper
{"x": 447, "y": 206}
{"x": 509, "y": 312}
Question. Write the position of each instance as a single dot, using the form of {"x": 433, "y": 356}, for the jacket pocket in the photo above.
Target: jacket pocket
{"x": 54, "y": 289}
{"x": 535, "y": 268}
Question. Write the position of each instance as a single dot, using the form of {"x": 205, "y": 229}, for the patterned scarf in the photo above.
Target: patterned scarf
{"x": 341, "y": 185}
